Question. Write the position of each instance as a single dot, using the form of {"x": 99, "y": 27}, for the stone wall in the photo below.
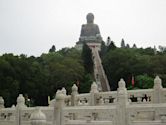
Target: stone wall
{"x": 121, "y": 107}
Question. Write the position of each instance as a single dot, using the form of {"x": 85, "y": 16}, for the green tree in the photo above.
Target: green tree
{"x": 111, "y": 46}
{"x": 144, "y": 82}
{"x": 87, "y": 59}
{"x": 127, "y": 46}
{"x": 85, "y": 85}
{"x": 123, "y": 43}
{"x": 103, "y": 49}
{"x": 134, "y": 46}
{"x": 123, "y": 63}
{"x": 52, "y": 49}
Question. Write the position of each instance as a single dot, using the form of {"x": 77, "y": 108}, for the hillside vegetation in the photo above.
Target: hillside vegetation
{"x": 141, "y": 64}
{"x": 39, "y": 77}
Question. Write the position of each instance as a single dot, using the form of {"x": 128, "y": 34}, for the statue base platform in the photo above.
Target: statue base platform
{"x": 90, "y": 43}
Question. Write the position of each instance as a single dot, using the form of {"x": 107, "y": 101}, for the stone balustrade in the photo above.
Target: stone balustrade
{"x": 38, "y": 117}
{"x": 121, "y": 107}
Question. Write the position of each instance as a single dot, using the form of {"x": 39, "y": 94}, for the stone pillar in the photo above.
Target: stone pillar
{"x": 1, "y": 102}
{"x": 59, "y": 104}
{"x": 20, "y": 102}
{"x": 20, "y": 105}
{"x": 157, "y": 90}
{"x": 74, "y": 95}
{"x": 93, "y": 91}
{"x": 38, "y": 117}
{"x": 64, "y": 91}
{"x": 122, "y": 102}
{"x": 163, "y": 119}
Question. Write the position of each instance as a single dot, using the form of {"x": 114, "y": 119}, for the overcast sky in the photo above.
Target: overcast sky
{"x": 33, "y": 26}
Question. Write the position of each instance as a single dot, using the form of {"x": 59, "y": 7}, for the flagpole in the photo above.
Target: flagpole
{"x": 132, "y": 81}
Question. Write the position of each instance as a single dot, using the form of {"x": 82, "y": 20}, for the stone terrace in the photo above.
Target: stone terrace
{"x": 121, "y": 107}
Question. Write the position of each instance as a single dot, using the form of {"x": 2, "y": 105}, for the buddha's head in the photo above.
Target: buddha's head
{"x": 90, "y": 18}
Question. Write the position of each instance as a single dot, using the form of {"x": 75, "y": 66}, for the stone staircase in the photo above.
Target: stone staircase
{"x": 99, "y": 73}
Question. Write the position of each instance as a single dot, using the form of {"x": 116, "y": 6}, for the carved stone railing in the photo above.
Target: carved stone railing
{"x": 21, "y": 115}
{"x": 140, "y": 96}
{"x": 163, "y": 99}
{"x": 83, "y": 99}
{"x": 106, "y": 98}
{"x": 25, "y": 114}
{"x": 144, "y": 96}
{"x": 121, "y": 107}
{"x": 8, "y": 116}
{"x": 90, "y": 114}
{"x": 143, "y": 113}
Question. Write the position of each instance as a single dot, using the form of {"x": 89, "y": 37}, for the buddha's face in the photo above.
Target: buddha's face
{"x": 90, "y": 18}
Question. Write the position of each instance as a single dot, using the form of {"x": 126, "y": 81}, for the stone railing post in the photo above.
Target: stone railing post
{"x": 1, "y": 102}
{"x": 20, "y": 102}
{"x": 93, "y": 91}
{"x": 38, "y": 117}
{"x": 74, "y": 95}
{"x": 122, "y": 101}
{"x": 157, "y": 90}
{"x": 59, "y": 104}
{"x": 20, "y": 105}
{"x": 64, "y": 91}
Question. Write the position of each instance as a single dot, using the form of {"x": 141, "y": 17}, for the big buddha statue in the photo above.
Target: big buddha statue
{"x": 90, "y": 31}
